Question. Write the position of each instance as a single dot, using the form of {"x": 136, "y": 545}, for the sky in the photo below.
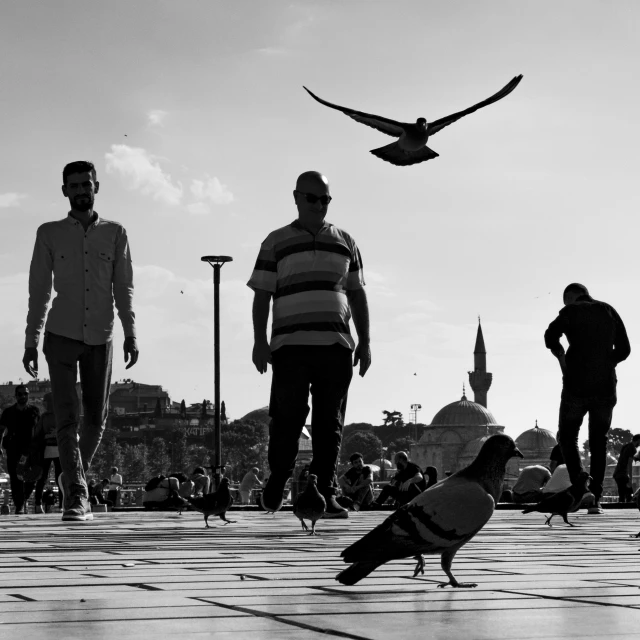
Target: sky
{"x": 195, "y": 117}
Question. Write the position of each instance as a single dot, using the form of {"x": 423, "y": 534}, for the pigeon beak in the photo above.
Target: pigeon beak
{"x": 517, "y": 453}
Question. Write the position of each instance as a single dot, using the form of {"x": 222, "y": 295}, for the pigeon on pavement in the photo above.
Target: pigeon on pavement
{"x": 563, "y": 502}
{"x": 438, "y": 521}
{"x": 310, "y": 504}
{"x": 214, "y": 504}
{"x": 410, "y": 148}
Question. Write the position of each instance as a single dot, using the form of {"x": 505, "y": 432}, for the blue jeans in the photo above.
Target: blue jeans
{"x": 572, "y": 412}
{"x": 76, "y": 445}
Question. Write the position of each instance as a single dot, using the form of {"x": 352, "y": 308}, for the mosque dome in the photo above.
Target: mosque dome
{"x": 536, "y": 439}
{"x": 472, "y": 448}
{"x": 463, "y": 413}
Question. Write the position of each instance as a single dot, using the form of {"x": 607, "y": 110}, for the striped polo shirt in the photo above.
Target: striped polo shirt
{"x": 309, "y": 276}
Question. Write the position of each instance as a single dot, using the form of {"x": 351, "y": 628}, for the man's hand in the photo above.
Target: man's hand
{"x": 31, "y": 356}
{"x": 362, "y": 354}
{"x": 131, "y": 352}
{"x": 261, "y": 355}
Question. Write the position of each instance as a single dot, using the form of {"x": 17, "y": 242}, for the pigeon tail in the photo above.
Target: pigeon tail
{"x": 356, "y": 572}
{"x": 394, "y": 154}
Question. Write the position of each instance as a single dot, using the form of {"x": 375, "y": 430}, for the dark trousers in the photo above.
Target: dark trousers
{"x": 78, "y": 446}
{"x": 327, "y": 372}
{"x": 572, "y": 412}
{"x": 625, "y": 492}
{"x": 401, "y": 497}
{"x": 20, "y": 490}
{"x": 46, "y": 464}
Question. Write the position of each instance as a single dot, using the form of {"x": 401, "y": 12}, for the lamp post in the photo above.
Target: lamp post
{"x": 216, "y": 262}
{"x": 415, "y": 408}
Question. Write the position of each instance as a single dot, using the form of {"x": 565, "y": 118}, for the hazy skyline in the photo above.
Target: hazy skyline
{"x": 195, "y": 116}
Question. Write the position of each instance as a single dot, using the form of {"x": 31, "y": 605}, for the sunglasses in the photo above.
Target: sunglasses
{"x": 312, "y": 198}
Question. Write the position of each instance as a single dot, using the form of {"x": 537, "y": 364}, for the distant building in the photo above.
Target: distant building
{"x": 458, "y": 431}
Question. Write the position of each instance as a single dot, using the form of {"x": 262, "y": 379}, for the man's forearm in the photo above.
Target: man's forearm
{"x": 360, "y": 312}
{"x": 261, "y": 303}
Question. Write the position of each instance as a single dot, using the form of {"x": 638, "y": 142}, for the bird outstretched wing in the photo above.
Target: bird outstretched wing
{"x": 437, "y": 125}
{"x": 384, "y": 125}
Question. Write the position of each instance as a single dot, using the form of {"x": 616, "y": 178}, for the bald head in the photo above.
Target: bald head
{"x": 311, "y": 180}
{"x": 312, "y": 198}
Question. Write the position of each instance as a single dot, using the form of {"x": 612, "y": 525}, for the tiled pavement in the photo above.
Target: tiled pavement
{"x": 160, "y": 575}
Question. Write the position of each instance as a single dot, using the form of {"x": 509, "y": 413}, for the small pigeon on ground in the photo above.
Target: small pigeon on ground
{"x": 438, "y": 521}
{"x": 214, "y": 504}
{"x": 563, "y": 502}
{"x": 310, "y": 504}
{"x": 410, "y": 148}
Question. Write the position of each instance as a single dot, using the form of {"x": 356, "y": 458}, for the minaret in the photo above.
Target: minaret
{"x": 479, "y": 379}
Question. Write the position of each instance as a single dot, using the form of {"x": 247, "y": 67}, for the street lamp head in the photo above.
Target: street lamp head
{"x": 216, "y": 259}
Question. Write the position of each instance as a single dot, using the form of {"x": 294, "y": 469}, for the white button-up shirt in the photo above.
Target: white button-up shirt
{"x": 90, "y": 270}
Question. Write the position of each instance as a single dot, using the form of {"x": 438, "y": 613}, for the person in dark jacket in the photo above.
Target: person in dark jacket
{"x": 17, "y": 424}
{"x": 406, "y": 484}
{"x": 623, "y": 472}
{"x": 597, "y": 343}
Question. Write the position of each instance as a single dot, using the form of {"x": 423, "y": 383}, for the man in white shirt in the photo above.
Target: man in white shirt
{"x": 89, "y": 261}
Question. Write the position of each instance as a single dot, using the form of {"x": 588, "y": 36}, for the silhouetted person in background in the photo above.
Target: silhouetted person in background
{"x": 87, "y": 259}
{"x": 597, "y": 343}
{"x": 623, "y": 473}
{"x": 406, "y": 484}
{"x": 357, "y": 483}
{"x": 46, "y": 444}
{"x": 17, "y": 425}
{"x": 431, "y": 476}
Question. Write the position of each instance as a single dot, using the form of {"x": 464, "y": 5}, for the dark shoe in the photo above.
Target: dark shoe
{"x": 38, "y": 509}
{"x": 272, "y": 495}
{"x": 334, "y": 510}
{"x": 19, "y": 511}
{"x": 595, "y": 509}
{"x": 79, "y": 510}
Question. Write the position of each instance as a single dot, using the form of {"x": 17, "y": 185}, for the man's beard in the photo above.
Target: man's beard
{"x": 82, "y": 203}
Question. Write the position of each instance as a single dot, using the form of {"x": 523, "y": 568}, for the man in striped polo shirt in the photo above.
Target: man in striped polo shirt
{"x": 313, "y": 272}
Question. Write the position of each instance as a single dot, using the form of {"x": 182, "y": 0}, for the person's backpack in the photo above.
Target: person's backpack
{"x": 153, "y": 483}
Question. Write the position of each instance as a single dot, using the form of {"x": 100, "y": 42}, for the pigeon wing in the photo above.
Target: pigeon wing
{"x": 437, "y": 125}
{"x": 384, "y": 125}
{"x": 445, "y": 516}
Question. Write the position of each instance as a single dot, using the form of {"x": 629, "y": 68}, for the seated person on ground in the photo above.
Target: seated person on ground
{"x": 201, "y": 482}
{"x": 406, "y": 484}
{"x": 559, "y": 481}
{"x": 528, "y": 487}
{"x": 356, "y": 483}
{"x": 96, "y": 492}
{"x": 162, "y": 493}
{"x": 431, "y": 476}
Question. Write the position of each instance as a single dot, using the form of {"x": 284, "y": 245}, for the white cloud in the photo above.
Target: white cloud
{"x": 211, "y": 189}
{"x": 10, "y": 199}
{"x": 156, "y": 117}
{"x": 141, "y": 170}
{"x": 198, "y": 208}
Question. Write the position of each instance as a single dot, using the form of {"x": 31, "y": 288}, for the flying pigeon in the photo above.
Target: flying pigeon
{"x": 214, "y": 504}
{"x": 563, "y": 502}
{"x": 310, "y": 504}
{"x": 410, "y": 148}
{"x": 439, "y": 520}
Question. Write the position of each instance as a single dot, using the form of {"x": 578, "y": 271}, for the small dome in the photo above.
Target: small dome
{"x": 536, "y": 439}
{"x": 463, "y": 413}
{"x": 472, "y": 448}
